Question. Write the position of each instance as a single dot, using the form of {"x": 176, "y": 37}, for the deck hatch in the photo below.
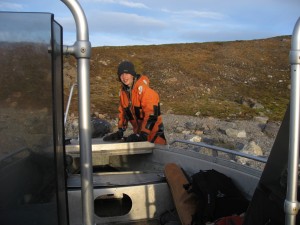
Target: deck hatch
{"x": 112, "y": 205}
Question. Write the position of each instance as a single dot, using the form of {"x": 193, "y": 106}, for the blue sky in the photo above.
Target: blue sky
{"x": 146, "y": 22}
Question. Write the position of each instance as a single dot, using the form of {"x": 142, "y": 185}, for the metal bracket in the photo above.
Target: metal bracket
{"x": 291, "y": 208}
{"x": 81, "y": 49}
{"x": 294, "y": 57}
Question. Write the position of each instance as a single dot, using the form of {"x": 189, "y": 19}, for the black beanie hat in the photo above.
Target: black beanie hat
{"x": 126, "y": 67}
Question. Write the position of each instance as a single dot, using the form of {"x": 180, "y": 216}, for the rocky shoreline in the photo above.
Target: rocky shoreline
{"x": 254, "y": 136}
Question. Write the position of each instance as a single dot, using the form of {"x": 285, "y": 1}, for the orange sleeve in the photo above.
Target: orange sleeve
{"x": 149, "y": 99}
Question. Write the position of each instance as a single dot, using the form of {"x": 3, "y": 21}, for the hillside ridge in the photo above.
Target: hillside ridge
{"x": 231, "y": 80}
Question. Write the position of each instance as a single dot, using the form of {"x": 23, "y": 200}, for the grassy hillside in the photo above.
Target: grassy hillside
{"x": 214, "y": 79}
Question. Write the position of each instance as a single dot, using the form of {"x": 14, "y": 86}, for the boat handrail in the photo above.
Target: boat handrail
{"x": 82, "y": 52}
{"x": 291, "y": 204}
{"x": 220, "y": 149}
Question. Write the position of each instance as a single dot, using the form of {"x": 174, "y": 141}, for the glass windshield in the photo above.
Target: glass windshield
{"x": 30, "y": 118}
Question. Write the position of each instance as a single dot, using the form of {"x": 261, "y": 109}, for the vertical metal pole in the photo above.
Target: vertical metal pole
{"x": 291, "y": 205}
{"x": 82, "y": 51}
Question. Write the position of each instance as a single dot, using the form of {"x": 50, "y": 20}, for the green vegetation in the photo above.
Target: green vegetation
{"x": 212, "y": 79}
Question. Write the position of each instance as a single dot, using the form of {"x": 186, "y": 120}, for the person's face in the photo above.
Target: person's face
{"x": 127, "y": 79}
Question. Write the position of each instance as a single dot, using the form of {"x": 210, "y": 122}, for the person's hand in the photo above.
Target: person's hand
{"x": 136, "y": 137}
{"x": 114, "y": 136}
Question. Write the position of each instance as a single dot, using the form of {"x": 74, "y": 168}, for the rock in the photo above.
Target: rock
{"x": 241, "y": 134}
{"x": 102, "y": 116}
{"x": 271, "y": 129}
{"x": 235, "y": 133}
{"x": 250, "y": 102}
{"x": 196, "y": 139}
{"x": 96, "y": 114}
{"x": 207, "y": 126}
{"x": 100, "y": 127}
{"x": 261, "y": 119}
{"x": 198, "y": 132}
{"x": 75, "y": 124}
{"x": 209, "y": 141}
{"x": 190, "y": 125}
{"x": 186, "y": 132}
{"x": 258, "y": 106}
{"x": 179, "y": 129}
{"x": 252, "y": 149}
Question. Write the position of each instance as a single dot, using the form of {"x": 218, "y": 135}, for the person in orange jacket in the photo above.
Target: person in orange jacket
{"x": 139, "y": 105}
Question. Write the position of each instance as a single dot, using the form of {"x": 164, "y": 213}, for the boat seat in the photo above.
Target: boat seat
{"x": 99, "y": 147}
{"x": 185, "y": 202}
{"x": 116, "y": 179}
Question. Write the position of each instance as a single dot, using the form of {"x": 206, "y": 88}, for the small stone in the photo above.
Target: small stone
{"x": 196, "y": 139}
{"x": 261, "y": 119}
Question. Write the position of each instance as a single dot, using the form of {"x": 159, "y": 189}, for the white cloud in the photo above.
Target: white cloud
{"x": 100, "y": 39}
{"x": 133, "y": 4}
{"x": 121, "y": 23}
{"x": 10, "y": 6}
{"x": 129, "y": 4}
{"x": 196, "y": 14}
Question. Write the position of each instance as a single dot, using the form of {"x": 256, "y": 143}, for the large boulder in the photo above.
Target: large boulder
{"x": 100, "y": 127}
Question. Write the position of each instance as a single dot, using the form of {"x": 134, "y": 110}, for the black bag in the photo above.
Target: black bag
{"x": 217, "y": 196}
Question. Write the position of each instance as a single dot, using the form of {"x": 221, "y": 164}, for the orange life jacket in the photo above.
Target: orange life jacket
{"x": 140, "y": 106}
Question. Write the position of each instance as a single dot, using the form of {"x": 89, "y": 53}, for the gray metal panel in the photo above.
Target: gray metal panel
{"x": 244, "y": 177}
{"x": 148, "y": 202}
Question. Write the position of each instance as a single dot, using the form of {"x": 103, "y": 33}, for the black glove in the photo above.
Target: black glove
{"x": 114, "y": 136}
{"x": 137, "y": 137}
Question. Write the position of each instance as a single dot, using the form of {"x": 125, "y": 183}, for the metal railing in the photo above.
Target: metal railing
{"x": 69, "y": 103}
{"x": 82, "y": 52}
{"x": 220, "y": 149}
{"x": 291, "y": 204}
